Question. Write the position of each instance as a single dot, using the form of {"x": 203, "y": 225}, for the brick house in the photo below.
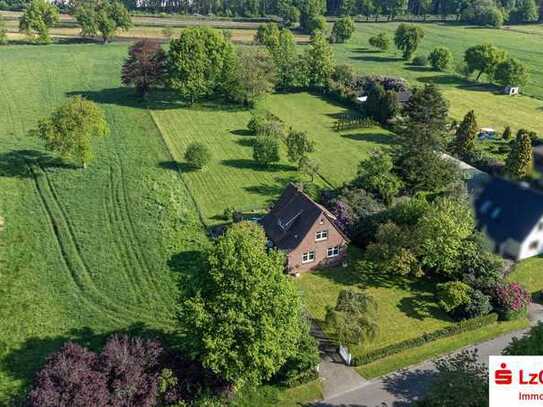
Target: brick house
{"x": 305, "y": 230}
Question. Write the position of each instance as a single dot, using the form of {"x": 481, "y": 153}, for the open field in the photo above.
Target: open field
{"x": 493, "y": 110}
{"x": 84, "y": 252}
{"x": 232, "y": 179}
{"x": 149, "y": 27}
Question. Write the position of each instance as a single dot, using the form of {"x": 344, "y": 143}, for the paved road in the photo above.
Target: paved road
{"x": 405, "y": 386}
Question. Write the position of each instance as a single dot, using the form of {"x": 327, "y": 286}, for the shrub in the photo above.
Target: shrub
{"x": 440, "y": 58}
{"x": 478, "y": 305}
{"x": 264, "y": 122}
{"x": 453, "y": 295}
{"x": 420, "y": 60}
{"x": 197, "y": 155}
{"x": 342, "y": 30}
{"x": 511, "y": 300}
{"x": 381, "y": 41}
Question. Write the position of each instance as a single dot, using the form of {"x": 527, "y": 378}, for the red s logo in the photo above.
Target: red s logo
{"x": 504, "y": 375}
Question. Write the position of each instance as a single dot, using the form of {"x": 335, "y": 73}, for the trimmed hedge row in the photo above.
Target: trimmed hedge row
{"x": 462, "y": 326}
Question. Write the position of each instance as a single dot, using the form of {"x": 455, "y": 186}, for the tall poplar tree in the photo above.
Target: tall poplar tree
{"x": 520, "y": 162}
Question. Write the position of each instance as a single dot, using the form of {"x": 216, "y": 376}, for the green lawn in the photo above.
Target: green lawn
{"x": 493, "y": 110}
{"x": 438, "y": 347}
{"x": 233, "y": 179}
{"x": 406, "y": 308}
{"x": 269, "y": 396}
{"x": 84, "y": 252}
{"x": 529, "y": 273}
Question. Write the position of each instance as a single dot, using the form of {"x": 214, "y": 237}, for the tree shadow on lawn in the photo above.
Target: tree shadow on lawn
{"x": 248, "y": 164}
{"x": 177, "y": 166}
{"x": 375, "y": 58}
{"x": 461, "y": 83}
{"x": 365, "y": 50}
{"x": 377, "y": 138}
{"x": 15, "y": 163}
{"x": 23, "y": 362}
{"x": 271, "y": 190}
{"x": 245, "y": 142}
{"x": 421, "y": 305}
{"x": 417, "y": 68}
{"x": 242, "y": 132}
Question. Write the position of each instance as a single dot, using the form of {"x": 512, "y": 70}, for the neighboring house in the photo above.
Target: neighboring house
{"x": 511, "y": 216}
{"x": 305, "y": 230}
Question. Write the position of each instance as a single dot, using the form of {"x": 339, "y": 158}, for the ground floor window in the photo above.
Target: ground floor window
{"x": 333, "y": 251}
{"x": 308, "y": 257}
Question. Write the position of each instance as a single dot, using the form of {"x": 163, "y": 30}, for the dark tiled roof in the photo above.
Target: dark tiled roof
{"x": 289, "y": 221}
{"x": 507, "y": 210}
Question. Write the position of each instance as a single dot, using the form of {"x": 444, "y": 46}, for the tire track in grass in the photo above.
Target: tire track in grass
{"x": 53, "y": 222}
{"x": 71, "y": 253}
{"x": 135, "y": 247}
{"x": 109, "y": 210}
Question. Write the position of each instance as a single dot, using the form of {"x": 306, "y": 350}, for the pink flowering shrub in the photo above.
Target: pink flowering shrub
{"x": 512, "y": 298}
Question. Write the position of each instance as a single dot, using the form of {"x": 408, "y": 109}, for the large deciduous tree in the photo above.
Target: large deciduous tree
{"x": 253, "y": 76}
{"x": 145, "y": 66}
{"x": 483, "y": 58}
{"x": 200, "y": 62}
{"x": 320, "y": 60}
{"x": 38, "y": 17}
{"x": 241, "y": 317}
{"x": 104, "y": 17}
{"x": 70, "y": 129}
{"x": 407, "y": 39}
{"x": 511, "y": 72}
{"x": 520, "y": 161}
{"x": 290, "y": 67}
{"x": 310, "y": 10}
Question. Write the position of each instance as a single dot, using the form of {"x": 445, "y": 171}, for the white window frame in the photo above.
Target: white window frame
{"x": 308, "y": 257}
{"x": 321, "y": 235}
{"x": 332, "y": 251}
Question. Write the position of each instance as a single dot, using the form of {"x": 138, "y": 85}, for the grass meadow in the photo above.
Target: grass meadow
{"x": 492, "y": 109}
{"x": 84, "y": 252}
{"x": 233, "y": 179}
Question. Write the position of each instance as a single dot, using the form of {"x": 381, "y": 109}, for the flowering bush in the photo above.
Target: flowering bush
{"x": 511, "y": 299}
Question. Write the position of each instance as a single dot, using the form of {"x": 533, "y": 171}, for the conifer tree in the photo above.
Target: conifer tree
{"x": 507, "y": 133}
{"x": 464, "y": 141}
{"x": 519, "y": 163}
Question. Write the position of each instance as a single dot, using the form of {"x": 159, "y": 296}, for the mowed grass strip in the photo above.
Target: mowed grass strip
{"x": 84, "y": 252}
{"x": 233, "y": 179}
{"x": 438, "y": 348}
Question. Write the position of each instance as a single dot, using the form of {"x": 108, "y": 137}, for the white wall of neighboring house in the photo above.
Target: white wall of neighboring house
{"x": 533, "y": 244}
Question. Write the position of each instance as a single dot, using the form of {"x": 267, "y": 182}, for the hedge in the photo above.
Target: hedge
{"x": 462, "y": 326}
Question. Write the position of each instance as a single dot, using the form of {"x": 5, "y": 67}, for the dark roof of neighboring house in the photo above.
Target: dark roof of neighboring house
{"x": 291, "y": 218}
{"x": 507, "y": 210}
